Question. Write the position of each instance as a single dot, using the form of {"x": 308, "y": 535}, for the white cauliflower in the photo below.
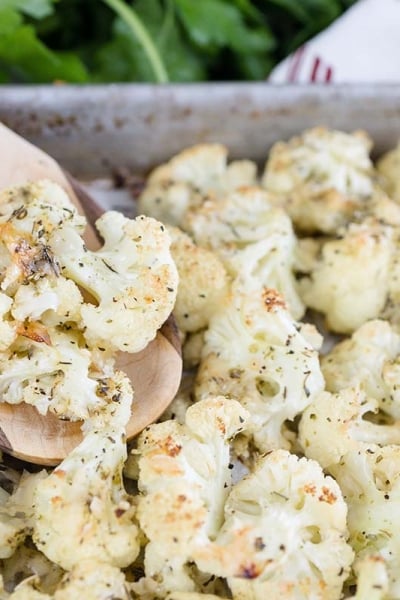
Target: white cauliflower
{"x": 8, "y": 329}
{"x": 255, "y": 352}
{"x": 29, "y": 216}
{"x": 340, "y": 283}
{"x": 321, "y": 177}
{"x": 132, "y": 277}
{"x": 52, "y": 300}
{"x": 372, "y": 579}
{"x": 16, "y": 513}
{"x": 54, "y": 371}
{"x": 184, "y": 478}
{"x": 369, "y": 359}
{"x": 189, "y": 178}
{"x": 203, "y": 282}
{"x": 363, "y": 456}
{"x": 370, "y": 481}
{"x": 284, "y": 533}
{"x": 335, "y": 424}
{"x": 254, "y": 239}
{"x": 81, "y": 509}
{"x": 388, "y": 166}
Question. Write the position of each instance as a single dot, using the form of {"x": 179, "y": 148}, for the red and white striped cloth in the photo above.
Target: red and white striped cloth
{"x": 362, "y": 46}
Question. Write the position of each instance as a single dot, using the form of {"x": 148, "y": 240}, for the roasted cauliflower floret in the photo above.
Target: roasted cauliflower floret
{"x": 363, "y": 454}
{"x": 321, "y": 177}
{"x": 370, "y": 483}
{"x": 81, "y": 510}
{"x": 132, "y": 277}
{"x": 335, "y": 424}
{"x": 284, "y": 533}
{"x": 52, "y": 300}
{"x": 189, "y": 178}
{"x": 372, "y": 579}
{"x": 203, "y": 282}
{"x": 388, "y": 166}
{"x": 29, "y": 215}
{"x": 369, "y": 359}
{"x": 340, "y": 285}
{"x": 184, "y": 478}
{"x": 54, "y": 371}
{"x": 255, "y": 352}
{"x": 254, "y": 239}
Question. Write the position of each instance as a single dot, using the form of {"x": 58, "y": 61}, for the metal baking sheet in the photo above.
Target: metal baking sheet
{"x": 93, "y": 129}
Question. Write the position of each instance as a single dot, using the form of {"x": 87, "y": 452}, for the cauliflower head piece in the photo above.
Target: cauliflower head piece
{"x": 255, "y": 353}
{"x": 362, "y": 454}
{"x": 284, "y": 533}
{"x": 370, "y": 483}
{"x": 321, "y": 177}
{"x": 82, "y": 510}
{"x": 189, "y": 178}
{"x": 53, "y": 370}
{"x": 203, "y": 282}
{"x": 184, "y": 477}
{"x": 339, "y": 285}
{"x": 372, "y": 579}
{"x": 369, "y": 359}
{"x": 253, "y": 238}
{"x": 132, "y": 278}
{"x": 28, "y": 217}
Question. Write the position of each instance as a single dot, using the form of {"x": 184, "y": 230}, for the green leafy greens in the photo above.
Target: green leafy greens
{"x": 153, "y": 40}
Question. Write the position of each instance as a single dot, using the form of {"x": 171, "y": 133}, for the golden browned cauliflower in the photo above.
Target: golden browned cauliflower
{"x": 321, "y": 177}
{"x": 203, "y": 282}
{"x": 350, "y": 281}
{"x": 189, "y": 178}
{"x": 256, "y": 353}
{"x": 253, "y": 238}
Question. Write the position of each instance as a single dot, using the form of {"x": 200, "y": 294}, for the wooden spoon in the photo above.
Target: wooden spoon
{"x": 155, "y": 372}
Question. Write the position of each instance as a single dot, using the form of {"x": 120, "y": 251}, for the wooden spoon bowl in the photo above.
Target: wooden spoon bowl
{"x": 155, "y": 372}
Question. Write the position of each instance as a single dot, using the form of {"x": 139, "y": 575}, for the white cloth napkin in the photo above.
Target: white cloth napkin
{"x": 362, "y": 46}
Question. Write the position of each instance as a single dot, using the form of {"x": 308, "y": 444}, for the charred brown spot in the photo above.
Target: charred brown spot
{"x": 309, "y": 488}
{"x": 170, "y": 447}
{"x": 250, "y": 571}
{"x": 119, "y": 512}
{"x": 221, "y": 425}
{"x": 327, "y": 496}
{"x": 34, "y": 331}
{"x": 272, "y": 299}
{"x": 259, "y": 544}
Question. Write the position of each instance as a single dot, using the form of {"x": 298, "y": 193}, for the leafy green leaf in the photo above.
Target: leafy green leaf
{"x": 82, "y": 40}
{"x": 9, "y": 20}
{"x": 33, "y": 8}
{"x": 214, "y": 22}
{"x": 124, "y": 57}
{"x": 27, "y": 59}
